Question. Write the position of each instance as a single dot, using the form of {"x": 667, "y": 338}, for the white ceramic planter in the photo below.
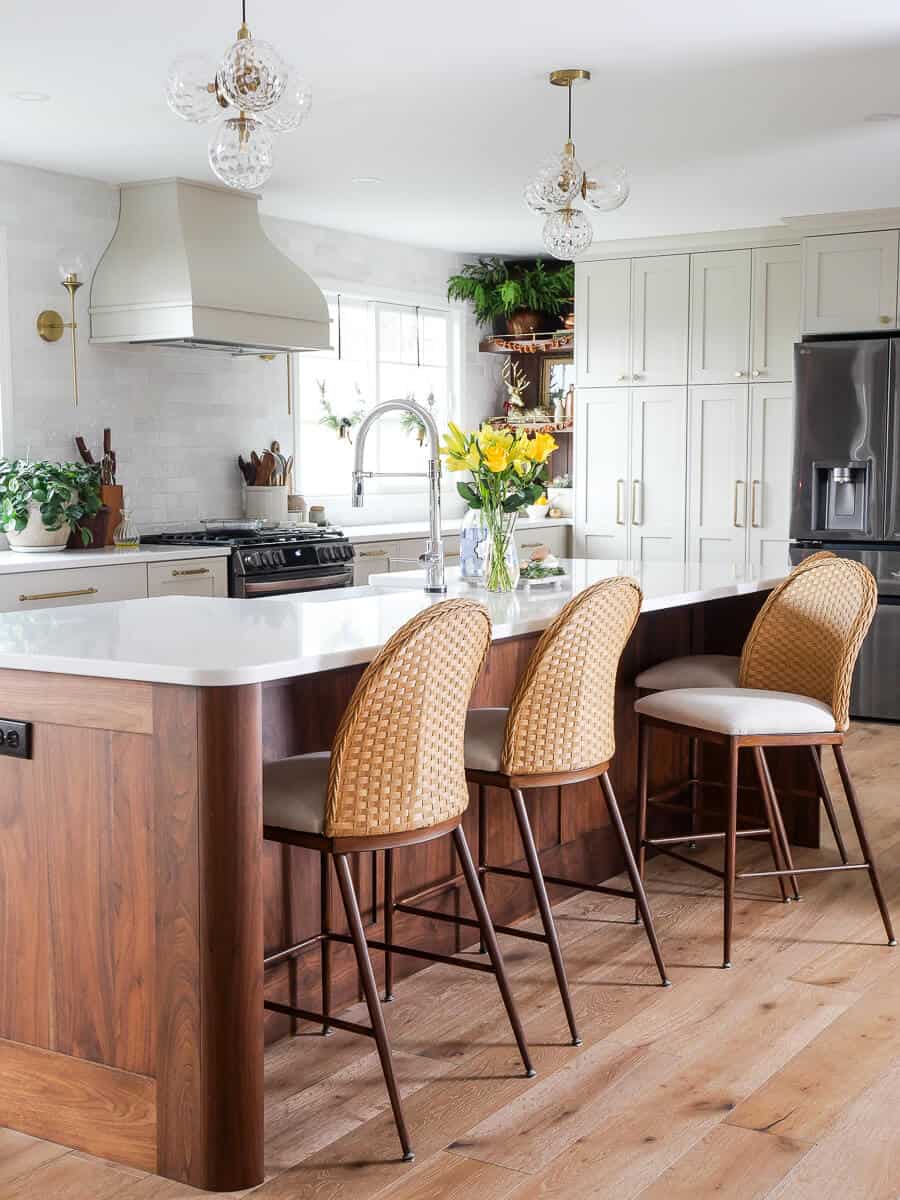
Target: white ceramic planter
{"x": 35, "y": 538}
{"x": 561, "y": 498}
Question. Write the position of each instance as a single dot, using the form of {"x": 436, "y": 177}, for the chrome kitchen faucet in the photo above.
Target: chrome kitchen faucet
{"x": 433, "y": 558}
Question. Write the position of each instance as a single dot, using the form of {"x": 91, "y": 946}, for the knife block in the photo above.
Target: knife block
{"x": 113, "y": 496}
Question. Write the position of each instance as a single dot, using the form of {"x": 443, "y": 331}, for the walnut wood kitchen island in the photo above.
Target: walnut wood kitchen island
{"x": 137, "y": 897}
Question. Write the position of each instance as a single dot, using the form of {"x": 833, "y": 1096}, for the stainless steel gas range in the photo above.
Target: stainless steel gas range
{"x": 274, "y": 562}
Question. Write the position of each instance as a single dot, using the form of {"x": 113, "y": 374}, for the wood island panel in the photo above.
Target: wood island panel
{"x": 137, "y": 895}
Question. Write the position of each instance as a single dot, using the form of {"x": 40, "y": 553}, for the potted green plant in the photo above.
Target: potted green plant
{"x": 41, "y": 503}
{"x": 523, "y": 293}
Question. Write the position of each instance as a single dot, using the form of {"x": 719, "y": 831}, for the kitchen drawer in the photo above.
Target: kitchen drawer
{"x": 72, "y": 585}
{"x": 556, "y": 537}
{"x": 372, "y": 558}
{"x": 188, "y": 577}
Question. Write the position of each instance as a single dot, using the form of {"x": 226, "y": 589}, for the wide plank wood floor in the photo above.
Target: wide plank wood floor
{"x": 779, "y": 1078}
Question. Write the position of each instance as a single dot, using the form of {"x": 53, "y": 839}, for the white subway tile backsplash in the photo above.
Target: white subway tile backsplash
{"x": 179, "y": 418}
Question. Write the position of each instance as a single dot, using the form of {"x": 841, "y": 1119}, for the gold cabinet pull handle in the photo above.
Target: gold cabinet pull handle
{"x": 531, "y": 545}
{"x": 637, "y": 491}
{"x": 620, "y": 488}
{"x": 371, "y": 554}
{"x": 738, "y": 483}
{"x": 754, "y": 505}
{"x": 91, "y": 591}
{"x": 192, "y": 571}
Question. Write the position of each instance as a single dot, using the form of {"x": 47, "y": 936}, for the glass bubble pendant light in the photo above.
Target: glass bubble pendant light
{"x": 561, "y": 182}
{"x": 259, "y": 93}
{"x": 240, "y": 153}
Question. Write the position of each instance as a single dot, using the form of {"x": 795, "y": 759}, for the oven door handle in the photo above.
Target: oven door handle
{"x": 285, "y": 587}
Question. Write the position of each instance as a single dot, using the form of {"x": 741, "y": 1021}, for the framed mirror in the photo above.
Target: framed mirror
{"x": 558, "y": 384}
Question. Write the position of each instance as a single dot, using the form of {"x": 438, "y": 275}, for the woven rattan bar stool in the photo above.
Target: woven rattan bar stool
{"x": 794, "y": 690}
{"x": 723, "y": 670}
{"x": 395, "y": 777}
{"x": 558, "y": 730}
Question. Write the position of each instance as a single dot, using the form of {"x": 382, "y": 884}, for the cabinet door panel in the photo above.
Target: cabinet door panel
{"x": 775, "y": 308}
{"x": 771, "y": 466}
{"x": 719, "y": 503}
{"x": 602, "y": 292}
{"x": 720, "y": 316}
{"x": 601, "y": 529}
{"x": 72, "y": 585}
{"x": 657, "y": 488}
{"x": 850, "y": 282}
{"x": 188, "y": 577}
{"x": 660, "y": 298}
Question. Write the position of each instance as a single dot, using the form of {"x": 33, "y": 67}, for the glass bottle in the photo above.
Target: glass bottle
{"x": 126, "y": 535}
{"x": 472, "y": 533}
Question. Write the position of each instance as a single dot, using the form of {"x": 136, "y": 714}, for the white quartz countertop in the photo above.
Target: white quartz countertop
{"x": 390, "y": 531}
{"x": 203, "y": 642}
{"x": 14, "y": 562}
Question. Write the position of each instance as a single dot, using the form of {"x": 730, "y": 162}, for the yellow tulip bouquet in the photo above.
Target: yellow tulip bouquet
{"x": 508, "y": 473}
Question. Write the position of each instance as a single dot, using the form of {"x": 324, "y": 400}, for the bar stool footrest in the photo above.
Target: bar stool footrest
{"x": 864, "y": 866}
{"x": 469, "y": 922}
{"x": 427, "y": 955}
{"x": 304, "y": 1014}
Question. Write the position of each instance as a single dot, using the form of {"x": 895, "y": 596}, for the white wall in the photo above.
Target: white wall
{"x": 179, "y": 418}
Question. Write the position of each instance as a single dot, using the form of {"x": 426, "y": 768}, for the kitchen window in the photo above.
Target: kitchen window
{"x": 380, "y": 351}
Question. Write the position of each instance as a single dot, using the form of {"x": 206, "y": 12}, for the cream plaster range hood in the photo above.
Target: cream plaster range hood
{"x": 189, "y": 265}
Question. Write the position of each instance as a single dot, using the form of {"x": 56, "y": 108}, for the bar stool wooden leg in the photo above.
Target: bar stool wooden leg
{"x": 325, "y": 944}
{"x": 490, "y": 940}
{"x": 543, "y": 902}
{"x": 388, "y": 924}
{"x": 850, "y": 793}
{"x": 730, "y": 848}
{"x": 784, "y": 840}
{"x": 828, "y": 804}
{"x": 637, "y": 883}
{"x": 482, "y": 852}
{"x": 774, "y": 840}
{"x": 640, "y": 833}
{"x": 370, "y": 991}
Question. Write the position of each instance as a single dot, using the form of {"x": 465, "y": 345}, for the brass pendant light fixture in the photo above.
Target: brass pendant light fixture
{"x": 562, "y": 180}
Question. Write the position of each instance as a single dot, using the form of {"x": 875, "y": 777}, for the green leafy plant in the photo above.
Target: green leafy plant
{"x": 332, "y": 420}
{"x": 498, "y": 289}
{"x": 64, "y": 492}
{"x": 413, "y": 425}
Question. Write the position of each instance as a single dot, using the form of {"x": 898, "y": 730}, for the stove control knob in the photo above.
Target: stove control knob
{"x": 327, "y": 554}
{"x": 279, "y": 558}
{"x": 250, "y": 560}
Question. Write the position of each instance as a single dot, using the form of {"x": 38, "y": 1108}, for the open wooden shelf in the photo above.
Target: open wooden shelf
{"x": 532, "y": 426}
{"x": 560, "y": 342}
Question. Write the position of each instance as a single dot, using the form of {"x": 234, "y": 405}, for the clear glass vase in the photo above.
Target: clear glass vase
{"x": 126, "y": 535}
{"x": 501, "y": 557}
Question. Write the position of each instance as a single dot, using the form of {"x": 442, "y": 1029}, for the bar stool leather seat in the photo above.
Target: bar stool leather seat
{"x": 485, "y": 730}
{"x": 739, "y": 711}
{"x": 295, "y": 792}
{"x": 691, "y": 671}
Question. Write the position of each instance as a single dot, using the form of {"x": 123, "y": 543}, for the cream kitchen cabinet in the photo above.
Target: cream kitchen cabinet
{"x": 631, "y": 473}
{"x": 717, "y": 504}
{"x": 720, "y": 316}
{"x": 740, "y": 463}
{"x": 660, "y": 288}
{"x": 188, "y": 577}
{"x": 23, "y": 590}
{"x": 771, "y": 472}
{"x": 373, "y": 558}
{"x": 554, "y": 537}
{"x": 850, "y": 282}
{"x": 775, "y": 312}
{"x": 602, "y": 434}
{"x": 602, "y": 334}
{"x": 632, "y": 323}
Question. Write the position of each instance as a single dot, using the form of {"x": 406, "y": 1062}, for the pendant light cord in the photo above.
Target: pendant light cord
{"x": 244, "y": 12}
{"x": 570, "y": 110}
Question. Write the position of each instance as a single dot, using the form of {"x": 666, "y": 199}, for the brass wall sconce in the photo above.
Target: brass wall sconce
{"x": 50, "y": 325}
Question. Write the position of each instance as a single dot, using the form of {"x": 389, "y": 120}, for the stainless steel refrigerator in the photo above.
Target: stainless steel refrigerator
{"x": 846, "y": 488}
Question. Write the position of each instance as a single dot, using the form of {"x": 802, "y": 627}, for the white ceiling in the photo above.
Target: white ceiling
{"x": 725, "y": 116}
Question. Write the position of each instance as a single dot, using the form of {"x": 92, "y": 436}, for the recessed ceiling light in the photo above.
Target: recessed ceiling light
{"x": 366, "y": 179}
{"x": 30, "y": 97}
{"x": 875, "y": 118}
